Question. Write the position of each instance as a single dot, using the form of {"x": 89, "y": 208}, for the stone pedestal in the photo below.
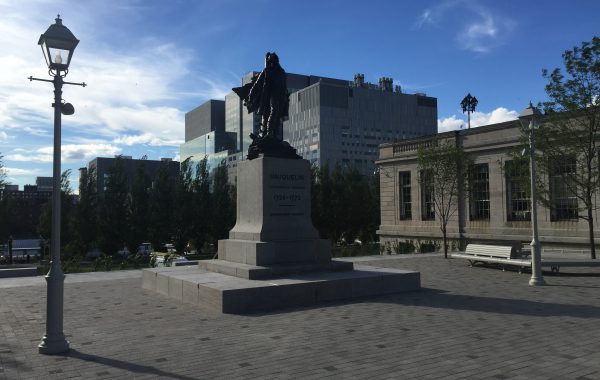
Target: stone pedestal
{"x": 274, "y": 257}
{"x": 273, "y": 223}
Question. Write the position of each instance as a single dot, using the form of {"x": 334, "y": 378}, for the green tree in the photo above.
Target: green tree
{"x": 160, "y": 208}
{"x": 85, "y": 216}
{"x": 338, "y": 205}
{"x": 201, "y": 205}
{"x": 321, "y": 199}
{"x": 443, "y": 168}
{"x": 183, "y": 212}
{"x": 371, "y": 210}
{"x": 355, "y": 201}
{"x": 223, "y": 216}
{"x": 572, "y": 129}
{"x": 4, "y": 207}
{"x": 67, "y": 207}
{"x": 344, "y": 204}
{"x": 2, "y": 173}
{"x": 137, "y": 207}
{"x": 113, "y": 212}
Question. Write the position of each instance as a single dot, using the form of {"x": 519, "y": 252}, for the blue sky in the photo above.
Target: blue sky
{"x": 149, "y": 62}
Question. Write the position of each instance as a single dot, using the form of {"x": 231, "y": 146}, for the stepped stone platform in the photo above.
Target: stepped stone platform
{"x": 274, "y": 257}
{"x": 236, "y": 295}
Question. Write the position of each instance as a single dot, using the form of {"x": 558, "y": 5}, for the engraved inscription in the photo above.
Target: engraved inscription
{"x": 288, "y": 191}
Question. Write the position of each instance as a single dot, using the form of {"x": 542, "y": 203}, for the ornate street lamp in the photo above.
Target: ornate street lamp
{"x": 530, "y": 118}
{"x": 58, "y": 44}
{"x": 468, "y": 105}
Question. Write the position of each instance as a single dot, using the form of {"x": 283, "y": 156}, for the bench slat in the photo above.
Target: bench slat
{"x": 506, "y": 252}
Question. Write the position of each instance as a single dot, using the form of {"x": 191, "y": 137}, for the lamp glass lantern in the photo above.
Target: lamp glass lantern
{"x": 530, "y": 117}
{"x": 58, "y": 45}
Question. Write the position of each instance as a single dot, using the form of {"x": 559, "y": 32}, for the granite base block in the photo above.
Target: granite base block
{"x": 255, "y": 272}
{"x": 230, "y": 294}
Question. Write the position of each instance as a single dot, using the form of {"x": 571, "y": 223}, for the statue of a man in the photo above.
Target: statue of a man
{"x": 268, "y": 96}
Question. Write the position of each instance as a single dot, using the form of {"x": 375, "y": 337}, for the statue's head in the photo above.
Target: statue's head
{"x": 271, "y": 59}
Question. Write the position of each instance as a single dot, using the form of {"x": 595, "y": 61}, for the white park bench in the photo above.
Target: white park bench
{"x": 495, "y": 254}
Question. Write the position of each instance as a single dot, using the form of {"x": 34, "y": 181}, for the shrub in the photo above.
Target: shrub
{"x": 403, "y": 247}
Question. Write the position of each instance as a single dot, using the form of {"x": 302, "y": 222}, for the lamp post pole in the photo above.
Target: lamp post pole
{"x": 56, "y": 40}
{"x": 531, "y": 115}
{"x": 536, "y": 257}
{"x": 54, "y": 340}
{"x": 468, "y": 105}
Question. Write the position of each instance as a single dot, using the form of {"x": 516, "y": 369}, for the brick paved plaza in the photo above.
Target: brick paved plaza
{"x": 475, "y": 323}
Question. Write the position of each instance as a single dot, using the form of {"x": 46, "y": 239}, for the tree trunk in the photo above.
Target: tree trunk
{"x": 445, "y": 239}
{"x": 591, "y": 226}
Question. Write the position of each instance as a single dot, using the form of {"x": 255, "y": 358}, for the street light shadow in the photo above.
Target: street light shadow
{"x": 436, "y": 298}
{"x": 120, "y": 364}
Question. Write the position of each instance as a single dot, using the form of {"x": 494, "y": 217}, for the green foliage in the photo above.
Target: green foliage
{"x": 356, "y": 250}
{"x": 572, "y": 127}
{"x": 5, "y": 219}
{"x": 403, "y": 247}
{"x": 183, "y": 211}
{"x": 137, "y": 210}
{"x": 113, "y": 212}
{"x": 223, "y": 203}
{"x": 67, "y": 207}
{"x": 427, "y": 246}
{"x": 201, "y": 205}
{"x": 2, "y": 173}
{"x": 161, "y": 206}
{"x": 443, "y": 170}
{"x": 344, "y": 204}
{"x": 105, "y": 262}
{"x": 85, "y": 217}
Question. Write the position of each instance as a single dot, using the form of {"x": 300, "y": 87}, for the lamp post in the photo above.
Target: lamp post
{"x": 58, "y": 44}
{"x": 468, "y": 105}
{"x": 529, "y": 119}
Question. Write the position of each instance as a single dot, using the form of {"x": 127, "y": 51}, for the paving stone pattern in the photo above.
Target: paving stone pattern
{"x": 473, "y": 323}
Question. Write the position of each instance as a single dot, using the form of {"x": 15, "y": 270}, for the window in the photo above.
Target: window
{"x": 517, "y": 199}
{"x": 562, "y": 197}
{"x": 405, "y": 200}
{"x": 480, "y": 192}
{"x": 427, "y": 205}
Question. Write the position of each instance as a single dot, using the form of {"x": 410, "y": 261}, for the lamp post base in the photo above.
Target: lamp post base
{"x": 536, "y": 281}
{"x": 55, "y": 345}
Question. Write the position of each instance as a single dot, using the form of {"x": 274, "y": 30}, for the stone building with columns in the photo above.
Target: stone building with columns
{"x": 496, "y": 208}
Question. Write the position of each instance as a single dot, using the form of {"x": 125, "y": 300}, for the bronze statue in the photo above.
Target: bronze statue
{"x": 267, "y": 96}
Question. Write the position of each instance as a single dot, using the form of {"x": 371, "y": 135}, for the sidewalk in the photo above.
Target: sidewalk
{"x": 475, "y": 323}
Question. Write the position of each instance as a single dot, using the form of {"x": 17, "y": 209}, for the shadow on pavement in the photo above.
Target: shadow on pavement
{"x": 8, "y": 359}
{"x": 132, "y": 367}
{"x": 440, "y": 299}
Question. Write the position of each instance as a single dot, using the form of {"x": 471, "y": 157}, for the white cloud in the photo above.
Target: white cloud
{"x": 484, "y": 31}
{"x": 480, "y": 29}
{"x": 22, "y": 172}
{"x": 146, "y": 139}
{"x": 449, "y": 124}
{"x": 478, "y": 119}
{"x": 131, "y": 92}
{"x": 479, "y": 34}
{"x": 3, "y": 136}
{"x": 498, "y": 115}
{"x": 433, "y": 15}
{"x": 69, "y": 153}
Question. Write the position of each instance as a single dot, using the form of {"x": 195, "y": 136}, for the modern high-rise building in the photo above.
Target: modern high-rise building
{"x": 330, "y": 121}
{"x": 333, "y": 121}
{"x": 207, "y": 117}
{"x": 205, "y": 134}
